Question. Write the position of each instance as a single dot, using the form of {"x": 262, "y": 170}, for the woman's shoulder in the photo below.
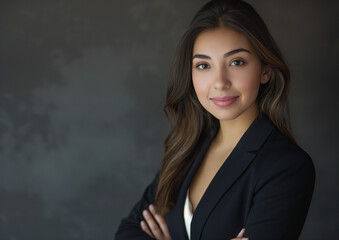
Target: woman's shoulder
{"x": 271, "y": 145}
{"x": 281, "y": 154}
{"x": 283, "y": 147}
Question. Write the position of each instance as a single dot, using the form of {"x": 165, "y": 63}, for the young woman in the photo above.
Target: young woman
{"x": 231, "y": 168}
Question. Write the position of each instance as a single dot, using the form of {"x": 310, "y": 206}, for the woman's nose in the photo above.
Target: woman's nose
{"x": 222, "y": 81}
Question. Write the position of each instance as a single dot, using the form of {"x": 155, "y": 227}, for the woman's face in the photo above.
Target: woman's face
{"x": 227, "y": 73}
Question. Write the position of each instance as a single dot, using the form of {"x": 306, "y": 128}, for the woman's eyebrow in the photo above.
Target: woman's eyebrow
{"x": 202, "y": 56}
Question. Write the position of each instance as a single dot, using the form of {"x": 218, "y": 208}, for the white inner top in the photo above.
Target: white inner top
{"x": 188, "y": 215}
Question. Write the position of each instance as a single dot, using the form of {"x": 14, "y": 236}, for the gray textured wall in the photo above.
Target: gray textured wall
{"x": 82, "y": 86}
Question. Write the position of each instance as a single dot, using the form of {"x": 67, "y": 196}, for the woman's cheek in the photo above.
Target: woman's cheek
{"x": 248, "y": 86}
{"x": 201, "y": 85}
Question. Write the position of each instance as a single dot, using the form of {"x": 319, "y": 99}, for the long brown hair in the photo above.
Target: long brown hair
{"x": 189, "y": 121}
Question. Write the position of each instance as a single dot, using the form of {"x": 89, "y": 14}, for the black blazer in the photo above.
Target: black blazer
{"x": 265, "y": 186}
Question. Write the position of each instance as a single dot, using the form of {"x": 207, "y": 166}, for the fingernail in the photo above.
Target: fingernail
{"x": 244, "y": 239}
{"x": 151, "y": 207}
{"x": 145, "y": 212}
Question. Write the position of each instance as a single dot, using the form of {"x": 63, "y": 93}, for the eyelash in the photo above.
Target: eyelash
{"x": 201, "y": 64}
{"x": 234, "y": 60}
{"x": 238, "y": 60}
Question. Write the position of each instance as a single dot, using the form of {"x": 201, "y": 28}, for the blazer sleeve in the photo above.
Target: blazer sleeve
{"x": 282, "y": 198}
{"x": 130, "y": 226}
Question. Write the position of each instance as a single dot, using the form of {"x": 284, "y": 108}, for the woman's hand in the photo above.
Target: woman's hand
{"x": 239, "y": 237}
{"x": 156, "y": 226}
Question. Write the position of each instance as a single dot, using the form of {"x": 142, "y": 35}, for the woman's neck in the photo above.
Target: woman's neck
{"x": 231, "y": 131}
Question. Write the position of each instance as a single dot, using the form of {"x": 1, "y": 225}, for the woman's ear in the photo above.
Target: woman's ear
{"x": 266, "y": 72}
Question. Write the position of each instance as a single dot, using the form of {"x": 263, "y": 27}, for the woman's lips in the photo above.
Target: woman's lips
{"x": 224, "y": 101}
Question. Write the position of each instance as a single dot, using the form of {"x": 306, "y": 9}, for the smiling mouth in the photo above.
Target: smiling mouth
{"x": 224, "y": 101}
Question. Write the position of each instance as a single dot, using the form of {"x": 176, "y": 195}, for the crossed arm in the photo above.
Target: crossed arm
{"x": 279, "y": 209}
{"x": 156, "y": 227}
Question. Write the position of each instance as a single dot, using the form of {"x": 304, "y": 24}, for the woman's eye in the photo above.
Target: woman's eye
{"x": 202, "y": 66}
{"x": 237, "y": 62}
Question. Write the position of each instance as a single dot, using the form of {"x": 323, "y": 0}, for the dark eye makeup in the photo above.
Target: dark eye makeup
{"x": 234, "y": 63}
{"x": 237, "y": 62}
{"x": 202, "y": 66}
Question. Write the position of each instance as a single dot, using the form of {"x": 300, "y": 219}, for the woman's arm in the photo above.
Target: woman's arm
{"x": 130, "y": 226}
{"x": 282, "y": 199}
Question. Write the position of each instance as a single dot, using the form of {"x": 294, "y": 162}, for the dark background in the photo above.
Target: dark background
{"x": 82, "y": 86}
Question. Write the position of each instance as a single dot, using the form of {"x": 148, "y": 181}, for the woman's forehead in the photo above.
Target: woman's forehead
{"x": 220, "y": 39}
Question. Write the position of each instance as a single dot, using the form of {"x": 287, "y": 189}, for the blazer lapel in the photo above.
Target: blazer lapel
{"x": 175, "y": 217}
{"x": 237, "y": 162}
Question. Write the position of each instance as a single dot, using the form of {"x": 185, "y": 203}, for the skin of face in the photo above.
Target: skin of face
{"x": 227, "y": 73}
